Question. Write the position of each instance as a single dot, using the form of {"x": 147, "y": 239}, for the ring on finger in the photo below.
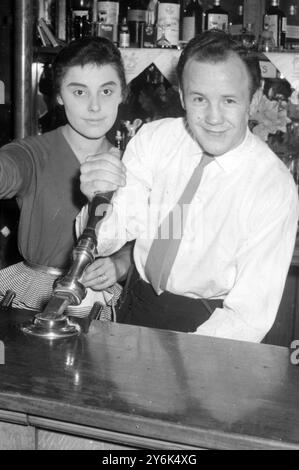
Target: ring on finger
{"x": 102, "y": 278}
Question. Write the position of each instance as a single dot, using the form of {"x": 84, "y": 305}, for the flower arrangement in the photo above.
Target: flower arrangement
{"x": 274, "y": 117}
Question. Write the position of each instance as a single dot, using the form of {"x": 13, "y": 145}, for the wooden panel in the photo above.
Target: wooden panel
{"x": 16, "y": 437}
{"x": 156, "y": 385}
{"x": 128, "y": 441}
{"x": 48, "y": 440}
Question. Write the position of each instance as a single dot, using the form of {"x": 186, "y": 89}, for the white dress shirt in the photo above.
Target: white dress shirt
{"x": 240, "y": 230}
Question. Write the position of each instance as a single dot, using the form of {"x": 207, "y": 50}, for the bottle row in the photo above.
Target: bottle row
{"x": 171, "y": 23}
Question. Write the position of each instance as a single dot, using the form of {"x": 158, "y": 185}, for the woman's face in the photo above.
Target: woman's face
{"x": 91, "y": 95}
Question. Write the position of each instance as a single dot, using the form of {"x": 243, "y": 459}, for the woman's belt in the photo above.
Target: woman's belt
{"x": 44, "y": 269}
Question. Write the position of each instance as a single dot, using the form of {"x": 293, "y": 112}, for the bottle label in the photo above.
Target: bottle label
{"x": 108, "y": 13}
{"x": 169, "y": 22}
{"x": 80, "y": 13}
{"x": 218, "y": 20}
{"x": 137, "y": 15}
{"x": 124, "y": 39}
{"x": 284, "y": 25}
{"x": 188, "y": 28}
{"x": 272, "y": 22}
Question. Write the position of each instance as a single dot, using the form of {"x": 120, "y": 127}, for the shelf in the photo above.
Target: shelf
{"x": 136, "y": 60}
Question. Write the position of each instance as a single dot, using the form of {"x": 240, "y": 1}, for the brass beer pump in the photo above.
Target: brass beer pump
{"x": 52, "y": 323}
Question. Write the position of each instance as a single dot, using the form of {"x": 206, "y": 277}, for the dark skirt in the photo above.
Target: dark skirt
{"x": 141, "y": 306}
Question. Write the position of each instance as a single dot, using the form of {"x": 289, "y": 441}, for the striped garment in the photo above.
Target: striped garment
{"x": 34, "y": 288}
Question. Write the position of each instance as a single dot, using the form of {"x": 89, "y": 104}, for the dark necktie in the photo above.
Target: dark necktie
{"x": 163, "y": 251}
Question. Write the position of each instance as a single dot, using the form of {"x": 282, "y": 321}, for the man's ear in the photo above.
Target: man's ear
{"x": 182, "y": 98}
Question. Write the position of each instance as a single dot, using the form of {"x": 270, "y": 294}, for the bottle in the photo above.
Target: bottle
{"x": 81, "y": 20}
{"x": 119, "y": 141}
{"x": 168, "y": 21}
{"x": 136, "y": 20}
{"x": 192, "y": 19}
{"x": 216, "y": 17}
{"x": 108, "y": 13}
{"x": 277, "y": 22}
{"x": 124, "y": 34}
{"x": 236, "y": 26}
{"x": 292, "y": 38}
{"x": 149, "y": 36}
{"x": 266, "y": 40}
{"x": 247, "y": 37}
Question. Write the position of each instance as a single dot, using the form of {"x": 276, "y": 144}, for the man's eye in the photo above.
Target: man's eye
{"x": 79, "y": 92}
{"x": 230, "y": 101}
{"x": 198, "y": 99}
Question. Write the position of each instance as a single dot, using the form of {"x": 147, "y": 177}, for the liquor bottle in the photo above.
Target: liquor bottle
{"x": 81, "y": 18}
{"x": 124, "y": 34}
{"x": 247, "y": 37}
{"x": 149, "y": 33}
{"x": 192, "y": 19}
{"x": 168, "y": 21}
{"x": 236, "y": 26}
{"x": 277, "y": 22}
{"x": 292, "y": 38}
{"x": 108, "y": 13}
{"x": 136, "y": 20}
{"x": 216, "y": 17}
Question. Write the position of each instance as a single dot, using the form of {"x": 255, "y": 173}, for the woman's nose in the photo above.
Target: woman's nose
{"x": 95, "y": 103}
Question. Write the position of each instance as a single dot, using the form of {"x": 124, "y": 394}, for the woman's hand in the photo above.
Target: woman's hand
{"x": 101, "y": 274}
{"x": 104, "y": 272}
{"x": 101, "y": 173}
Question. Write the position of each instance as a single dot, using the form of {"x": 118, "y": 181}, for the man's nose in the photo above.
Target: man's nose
{"x": 214, "y": 114}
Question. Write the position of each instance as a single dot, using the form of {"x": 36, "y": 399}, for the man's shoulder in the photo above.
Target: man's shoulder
{"x": 163, "y": 127}
{"x": 271, "y": 171}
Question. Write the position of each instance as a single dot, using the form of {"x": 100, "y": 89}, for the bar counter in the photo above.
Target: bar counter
{"x": 126, "y": 387}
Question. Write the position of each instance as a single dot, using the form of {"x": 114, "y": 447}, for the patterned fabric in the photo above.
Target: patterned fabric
{"x": 34, "y": 288}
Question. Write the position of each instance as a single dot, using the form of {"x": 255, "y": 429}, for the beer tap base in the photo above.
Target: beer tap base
{"x": 52, "y": 329}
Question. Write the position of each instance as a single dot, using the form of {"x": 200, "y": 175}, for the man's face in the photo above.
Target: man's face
{"x": 91, "y": 95}
{"x": 216, "y": 99}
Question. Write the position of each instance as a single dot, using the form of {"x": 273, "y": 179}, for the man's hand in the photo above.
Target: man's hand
{"x": 102, "y": 173}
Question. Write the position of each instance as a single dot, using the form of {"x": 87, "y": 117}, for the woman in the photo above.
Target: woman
{"x": 43, "y": 173}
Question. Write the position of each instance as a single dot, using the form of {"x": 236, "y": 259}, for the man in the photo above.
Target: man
{"x": 224, "y": 274}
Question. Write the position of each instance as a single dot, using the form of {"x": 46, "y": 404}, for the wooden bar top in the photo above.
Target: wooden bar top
{"x": 192, "y": 390}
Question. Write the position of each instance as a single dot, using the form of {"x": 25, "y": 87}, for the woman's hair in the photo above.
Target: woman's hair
{"x": 215, "y": 46}
{"x": 90, "y": 50}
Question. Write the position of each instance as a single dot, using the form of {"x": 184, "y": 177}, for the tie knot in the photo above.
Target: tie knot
{"x": 205, "y": 159}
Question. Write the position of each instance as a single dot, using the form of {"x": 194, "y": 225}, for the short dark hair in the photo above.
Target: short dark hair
{"x": 215, "y": 46}
{"x": 90, "y": 50}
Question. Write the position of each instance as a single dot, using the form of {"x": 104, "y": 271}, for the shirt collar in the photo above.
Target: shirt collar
{"x": 233, "y": 158}
{"x": 229, "y": 160}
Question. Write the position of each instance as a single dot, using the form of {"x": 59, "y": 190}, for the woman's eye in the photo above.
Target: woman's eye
{"x": 107, "y": 92}
{"x": 79, "y": 92}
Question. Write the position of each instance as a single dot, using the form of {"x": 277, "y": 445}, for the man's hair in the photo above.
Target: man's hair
{"x": 90, "y": 50}
{"x": 216, "y": 46}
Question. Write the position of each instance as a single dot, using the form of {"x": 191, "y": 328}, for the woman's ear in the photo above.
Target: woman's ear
{"x": 59, "y": 100}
